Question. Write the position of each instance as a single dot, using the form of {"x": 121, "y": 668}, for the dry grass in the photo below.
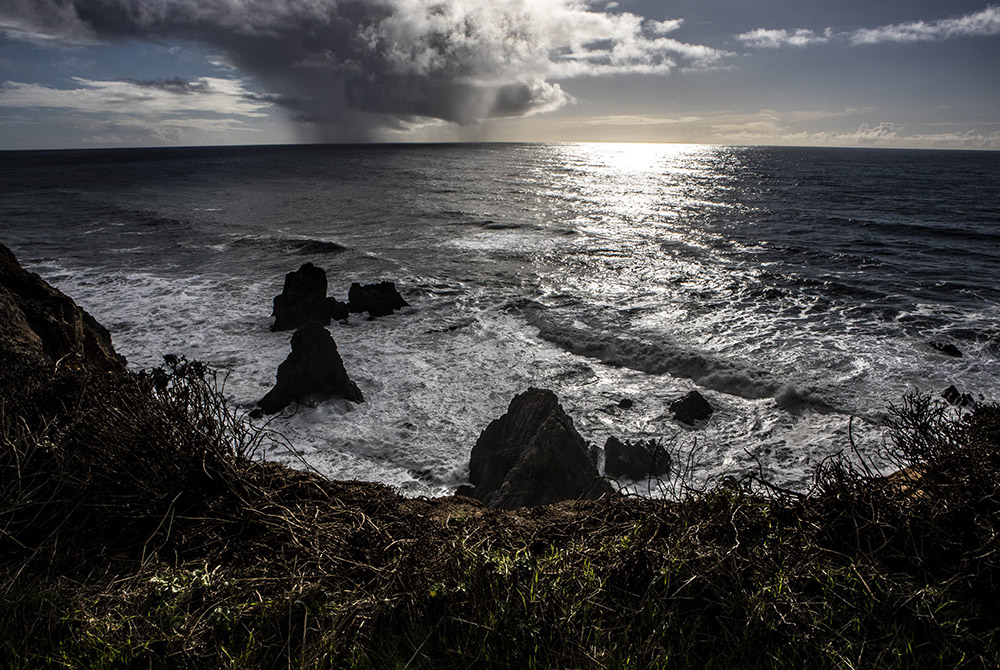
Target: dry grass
{"x": 137, "y": 530}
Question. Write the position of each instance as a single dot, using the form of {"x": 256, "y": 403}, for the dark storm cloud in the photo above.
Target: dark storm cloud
{"x": 351, "y": 66}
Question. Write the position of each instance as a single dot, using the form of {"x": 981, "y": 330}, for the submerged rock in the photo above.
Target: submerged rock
{"x": 532, "y": 455}
{"x": 313, "y": 372}
{"x": 302, "y": 299}
{"x": 635, "y": 460}
{"x": 380, "y": 299}
{"x": 947, "y": 348}
{"x": 40, "y": 322}
{"x": 691, "y": 408}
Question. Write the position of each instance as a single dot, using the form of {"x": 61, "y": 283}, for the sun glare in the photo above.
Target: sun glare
{"x": 635, "y": 157}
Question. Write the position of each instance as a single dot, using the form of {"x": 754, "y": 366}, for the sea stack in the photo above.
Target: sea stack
{"x": 313, "y": 372}
{"x": 303, "y": 299}
{"x": 532, "y": 455}
{"x": 380, "y": 299}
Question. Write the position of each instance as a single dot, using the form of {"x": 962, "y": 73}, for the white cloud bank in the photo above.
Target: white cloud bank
{"x": 982, "y": 23}
{"x": 771, "y": 127}
{"x": 844, "y": 127}
{"x": 226, "y": 97}
{"x": 354, "y": 68}
{"x": 142, "y": 113}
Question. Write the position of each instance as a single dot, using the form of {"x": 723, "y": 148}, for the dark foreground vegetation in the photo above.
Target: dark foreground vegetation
{"x": 136, "y": 530}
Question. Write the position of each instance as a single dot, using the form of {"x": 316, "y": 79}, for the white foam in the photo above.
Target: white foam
{"x": 653, "y": 295}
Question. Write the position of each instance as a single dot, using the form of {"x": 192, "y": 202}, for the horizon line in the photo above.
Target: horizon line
{"x": 399, "y": 144}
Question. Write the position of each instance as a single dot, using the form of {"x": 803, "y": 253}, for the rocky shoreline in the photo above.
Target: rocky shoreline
{"x": 138, "y": 530}
{"x": 530, "y": 456}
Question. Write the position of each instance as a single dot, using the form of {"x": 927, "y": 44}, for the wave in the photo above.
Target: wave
{"x": 293, "y": 245}
{"x": 657, "y": 358}
{"x": 660, "y": 357}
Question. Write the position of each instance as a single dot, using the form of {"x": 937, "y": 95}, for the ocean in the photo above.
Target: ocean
{"x": 801, "y": 291}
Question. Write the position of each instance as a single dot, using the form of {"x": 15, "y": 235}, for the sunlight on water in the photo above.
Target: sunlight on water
{"x": 634, "y": 159}
{"x": 779, "y": 283}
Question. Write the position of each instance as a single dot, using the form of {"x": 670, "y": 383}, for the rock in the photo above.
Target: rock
{"x": 691, "y": 408}
{"x": 635, "y": 460}
{"x": 947, "y": 348}
{"x": 596, "y": 454}
{"x": 338, "y": 310}
{"x": 40, "y": 322}
{"x": 312, "y": 372}
{"x": 625, "y": 403}
{"x": 302, "y": 299}
{"x": 380, "y": 299}
{"x": 466, "y": 491}
{"x": 532, "y": 455}
{"x": 956, "y": 397}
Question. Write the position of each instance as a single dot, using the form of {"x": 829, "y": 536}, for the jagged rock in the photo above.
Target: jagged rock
{"x": 691, "y": 408}
{"x": 312, "y": 372}
{"x": 947, "y": 348}
{"x": 635, "y": 460}
{"x": 40, "y": 322}
{"x": 302, "y": 299}
{"x": 532, "y": 455}
{"x": 956, "y": 397}
{"x": 380, "y": 299}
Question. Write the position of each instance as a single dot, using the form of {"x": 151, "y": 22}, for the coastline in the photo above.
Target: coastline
{"x": 137, "y": 530}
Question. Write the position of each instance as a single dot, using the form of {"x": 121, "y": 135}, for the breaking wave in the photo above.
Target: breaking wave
{"x": 661, "y": 357}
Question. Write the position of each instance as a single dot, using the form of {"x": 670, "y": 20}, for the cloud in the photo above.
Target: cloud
{"x": 763, "y": 38}
{"x": 791, "y": 128}
{"x": 352, "y": 68}
{"x": 135, "y": 112}
{"x": 207, "y": 95}
{"x": 982, "y": 23}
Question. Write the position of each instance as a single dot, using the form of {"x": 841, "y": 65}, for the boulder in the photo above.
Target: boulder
{"x": 40, "y": 322}
{"x": 635, "y": 460}
{"x": 303, "y": 299}
{"x": 532, "y": 455}
{"x": 313, "y": 372}
{"x": 380, "y": 299}
{"x": 691, "y": 408}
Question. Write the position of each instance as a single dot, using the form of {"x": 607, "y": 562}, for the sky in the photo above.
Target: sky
{"x": 117, "y": 73}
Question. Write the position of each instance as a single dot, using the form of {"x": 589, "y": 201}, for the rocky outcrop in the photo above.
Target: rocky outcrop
{"x": 380, "y": 299}
{"x": 635, "y": 460}
{"x": 40, "y": 322}
{"x": 691, "y": 408}
{"x": 532, "y": 455}
{"x": 303, "y": 299}
{"x": 313, "y": 372}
